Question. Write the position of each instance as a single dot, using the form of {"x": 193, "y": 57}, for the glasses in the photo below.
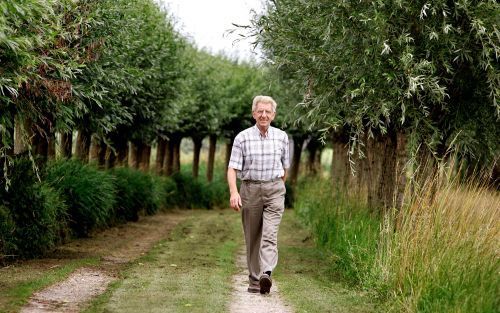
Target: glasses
{"x": 261, "y": 112}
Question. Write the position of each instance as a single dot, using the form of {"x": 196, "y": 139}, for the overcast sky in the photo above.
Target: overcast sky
{"x": 208, "y": 22}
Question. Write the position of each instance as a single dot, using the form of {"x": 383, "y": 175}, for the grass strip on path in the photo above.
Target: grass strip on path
{"x": 109, "y": 250}
{"x": 18, "y": 284}
{"x": 306, "y": 277}
{"x": 188, "y": 272}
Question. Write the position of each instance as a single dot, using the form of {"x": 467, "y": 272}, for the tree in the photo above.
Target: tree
{"x": 393, "y": 69}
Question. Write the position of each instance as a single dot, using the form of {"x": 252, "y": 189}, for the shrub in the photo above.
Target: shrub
{"x": 191, "y": 193}
{"x": 34, "y": 213}
{"x": 7, "y": 228}
{"x": 88, "y": 192}
{"x": 135, "y": 191}
{"x": 197, "y": 193}
{"x": 169, "y": 192}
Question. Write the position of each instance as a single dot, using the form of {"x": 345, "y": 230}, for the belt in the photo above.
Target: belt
{"x": 248, "y": 181}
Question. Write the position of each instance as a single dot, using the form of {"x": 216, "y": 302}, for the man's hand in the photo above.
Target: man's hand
{"x": 235, "y": 201}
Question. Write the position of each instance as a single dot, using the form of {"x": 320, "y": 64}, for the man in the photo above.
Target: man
{"x": 260, "y": 159}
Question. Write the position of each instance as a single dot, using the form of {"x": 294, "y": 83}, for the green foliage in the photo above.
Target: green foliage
{"x": 191, "y": 193}
{"x": 184, "y": 192}
{"x": 346, "y": 230}
{"x": 89, "y": 193}
{"x": 135, "y": 192}
{"x": 7, "y": 228}
{"x": 378, "y": 66}
{"x": 169, "y": 192}
{"x": 34, "y": 214}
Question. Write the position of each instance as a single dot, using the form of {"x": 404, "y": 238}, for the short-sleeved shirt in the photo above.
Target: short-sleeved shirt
{"x": 258, "y": 157}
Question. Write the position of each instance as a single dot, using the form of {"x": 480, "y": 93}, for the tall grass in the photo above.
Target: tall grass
{"x": 440, "y": 253}
{"x": 345, "y": 229}
{"x": 444, "y": 254}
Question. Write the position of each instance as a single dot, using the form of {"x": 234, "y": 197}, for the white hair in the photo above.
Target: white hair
{"x": 263, "y": 99}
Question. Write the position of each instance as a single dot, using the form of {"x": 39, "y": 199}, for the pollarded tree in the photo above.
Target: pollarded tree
{"x": 204, "y": 98}
{"x": 138, "y": 71}
{"x": 41, "y": 52}
{"x": 395, "y": 69}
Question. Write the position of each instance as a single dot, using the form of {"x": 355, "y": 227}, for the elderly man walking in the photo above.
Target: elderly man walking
{"x": 260, "y": 158}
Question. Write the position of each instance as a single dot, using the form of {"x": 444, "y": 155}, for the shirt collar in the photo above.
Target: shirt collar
{"x": 266, "y": 135}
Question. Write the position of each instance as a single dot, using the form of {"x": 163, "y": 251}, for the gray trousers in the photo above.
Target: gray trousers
{"x": 263, "y": 204}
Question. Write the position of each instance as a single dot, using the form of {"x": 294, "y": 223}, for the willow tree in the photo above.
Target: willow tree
{"x": 131, "y": 85}
{"x": 401, "y": 74}
{"x": 41, "y": 51}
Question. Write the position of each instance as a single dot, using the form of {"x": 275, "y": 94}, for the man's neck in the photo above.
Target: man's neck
{"x": 263, "y": 130}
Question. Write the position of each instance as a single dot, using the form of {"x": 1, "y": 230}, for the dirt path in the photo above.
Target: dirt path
{"x": 115, "y": 247}
{"x": 243, "y": 301}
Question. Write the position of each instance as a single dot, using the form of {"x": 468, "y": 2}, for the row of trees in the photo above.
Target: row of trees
{"x": 118, "y": 75}
{"x": 390, "y": 84}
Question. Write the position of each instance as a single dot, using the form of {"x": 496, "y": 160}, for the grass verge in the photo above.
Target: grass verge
{"x": 307, "y": 279}
{"x": 17, "y": 285}
{"x": 188, "y": 272}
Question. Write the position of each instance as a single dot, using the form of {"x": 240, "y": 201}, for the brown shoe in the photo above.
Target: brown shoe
{"x": 253, "y": 288}
{"x": 265, "y": 283}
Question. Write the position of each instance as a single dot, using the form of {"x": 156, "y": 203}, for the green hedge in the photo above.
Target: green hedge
{"x": 89, "y": 193}
{"x": 32, "y": 214}
{"x": 191, "y": 193}
{"x": 136, "y": 192}
{"x": 75, "y": 199}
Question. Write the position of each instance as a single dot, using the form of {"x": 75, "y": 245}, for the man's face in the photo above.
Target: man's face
{"x": 263, "y": 114}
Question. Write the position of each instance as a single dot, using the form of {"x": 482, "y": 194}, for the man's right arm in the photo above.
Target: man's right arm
{"x": 235, "y": 199}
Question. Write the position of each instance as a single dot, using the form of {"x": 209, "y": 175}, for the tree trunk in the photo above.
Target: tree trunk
{"x": 102, "y": 154}
{"x": 83, "y": 145}
{"x": 66, "y": 145}
{"x": 122, "y": 152}
{"x": 370, "y": 173}
{"x": 51, "y": 151}
{"x": 168, "y": 163}
{"x": 40, "y": 142}
{"x": 197, "y": 141}
{"x": 341, "y": 169}
{"x": 133, "y": 162}
{"x": 110, "y": 158}
{"x": 211, "y": 157}
{"x": 401, "y": 168}
{"x": 298, "y": 142}
{"x": 387, "y": 176}
{"x": 22, "y": 133}
{"x": 98, "y": 151}
{"x": 313, "y": 146}
{"x": 94, "y": 149}
{"x": 117, "y": 155}
{"x": 177, "y": 154}
{"x": 144, "y": 157}
{"x": 160, "y": 155}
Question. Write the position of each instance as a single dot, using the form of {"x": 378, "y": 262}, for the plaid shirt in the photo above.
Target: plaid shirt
{"x": 258, "y": 157}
